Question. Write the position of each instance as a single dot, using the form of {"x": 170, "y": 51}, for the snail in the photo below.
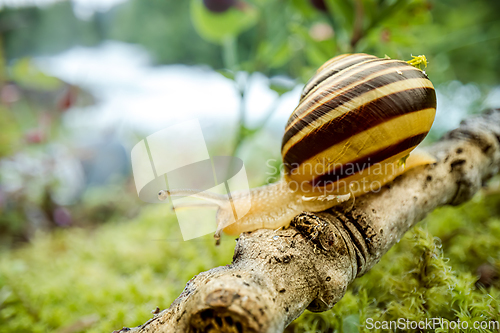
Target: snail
{"x": 358, "y": 119}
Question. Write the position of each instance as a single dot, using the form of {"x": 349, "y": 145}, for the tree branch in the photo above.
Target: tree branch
{"x": 276, "y": 275}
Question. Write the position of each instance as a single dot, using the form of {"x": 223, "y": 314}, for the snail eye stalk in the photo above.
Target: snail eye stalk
{"x": 214, "y": 198}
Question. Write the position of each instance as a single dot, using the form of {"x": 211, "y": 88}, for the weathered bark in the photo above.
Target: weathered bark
{"x": 276, "y": 275}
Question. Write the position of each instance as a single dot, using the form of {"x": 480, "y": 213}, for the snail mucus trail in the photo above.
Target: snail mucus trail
{"x": 358, "y": 119}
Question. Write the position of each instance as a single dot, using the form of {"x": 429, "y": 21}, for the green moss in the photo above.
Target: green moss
{"x": 116, "y": 274}
{"x": 113, "y": 276}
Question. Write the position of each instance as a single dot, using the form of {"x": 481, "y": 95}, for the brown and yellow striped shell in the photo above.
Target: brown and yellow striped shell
{"x": 357, "y": 112}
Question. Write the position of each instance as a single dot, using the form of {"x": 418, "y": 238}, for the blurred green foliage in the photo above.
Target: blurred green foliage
{"x": 34, "y": 30}
{"x": 9, "y": 134}
{"x": 461, "y": 38}
{"x": 35, "y": 156}
{"x": 28, "y": 76}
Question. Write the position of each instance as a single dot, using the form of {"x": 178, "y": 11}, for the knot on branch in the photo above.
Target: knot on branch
{"x": 338, "y": 236}
{"x": 225, "y": 314}
{"x": 222, "y": 302}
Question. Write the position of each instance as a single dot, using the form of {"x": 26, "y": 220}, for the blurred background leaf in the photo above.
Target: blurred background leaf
{"x": 216, "y": 26}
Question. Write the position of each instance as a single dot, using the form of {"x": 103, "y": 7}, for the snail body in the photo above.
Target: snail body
{"x": 357, "y": 121}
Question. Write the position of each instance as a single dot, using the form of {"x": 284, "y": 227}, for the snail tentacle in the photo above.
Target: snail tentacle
{"x": 200, "y": 204}
{"x": 216, "y": 199}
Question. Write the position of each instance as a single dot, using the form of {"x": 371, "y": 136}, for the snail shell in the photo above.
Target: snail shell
{"x": 357, "y": 112}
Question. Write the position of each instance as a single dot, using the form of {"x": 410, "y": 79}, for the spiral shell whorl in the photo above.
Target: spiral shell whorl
{"x": 357, "y": 111}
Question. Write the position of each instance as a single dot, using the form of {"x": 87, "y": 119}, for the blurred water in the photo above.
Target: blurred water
{"x": 133, "y": 95}
{"x": 456, "y": 101}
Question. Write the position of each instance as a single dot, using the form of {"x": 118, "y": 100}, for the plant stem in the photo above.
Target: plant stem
{"x": 357, "y": 33}
{"x": 241, "y": 126}
{"x": 230, "y": 54}
{"x": 230, "y": 58}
